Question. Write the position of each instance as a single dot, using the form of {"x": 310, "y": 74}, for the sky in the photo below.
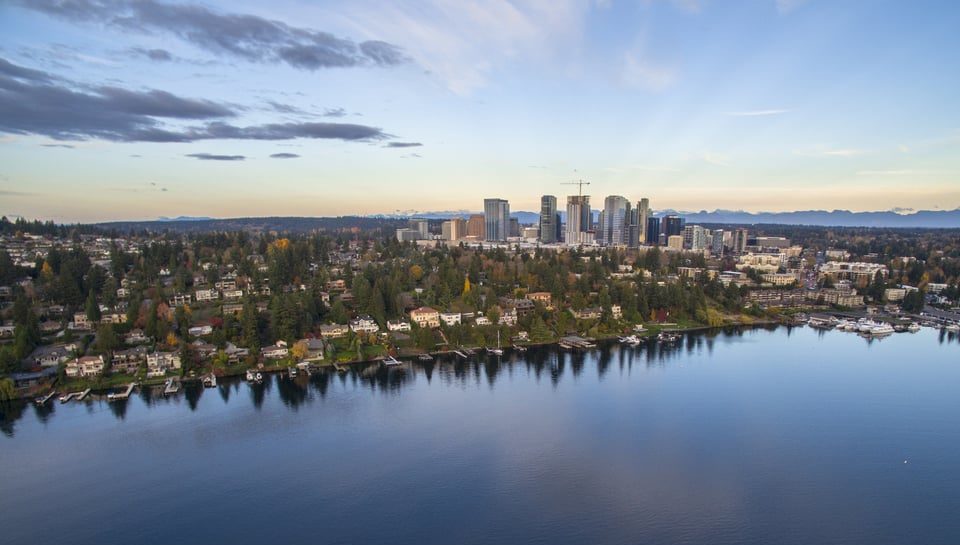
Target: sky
{"x": 126, "y": 109}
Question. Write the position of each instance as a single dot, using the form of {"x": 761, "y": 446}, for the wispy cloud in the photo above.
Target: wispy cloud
{"x": 284, "y": 156}
{"x": 215, "y": 157}
{"x": 403, "y": 145}
{"x": 842, "y": 152}
{"x": 757, "y": 113}
{"x": 640, "y": 72}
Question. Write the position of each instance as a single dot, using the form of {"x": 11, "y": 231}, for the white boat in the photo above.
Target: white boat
{"x": 881, "y": 329}
{"x": 250, "y": 376}
{"x": 630, "y": 339}
{"x": 913, "y": 327}
{"x": 210, "y": 381}
{"x": 953, "y": 327}
{"x": 293, "y": 372}
{"x": 259, "y": 377}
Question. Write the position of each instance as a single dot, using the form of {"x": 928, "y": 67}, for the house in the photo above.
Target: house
{"x": 364, "y": 324}
{"x": 158, "y": 363}
{"x": 616, "y": 311}
{"x": 80, "y": 321}
{"x": 482, "y": 320}
{"x": 336, "y": 285}
{"x": 232, "y": 294}
{"x": 50, "y": 356}
{"x": 233, "y": 308}
{"x": 123, "y": 293}
{"x": 590, "y": 313}
{"x": 450, "y": 318}
{"x": 315, "y": 349}
{"x": 203, "y": 349}
{"x": 542, "y": 297}
{"x": 128, "y": 361}
{"x": 203, "y": 296}
{"x": 520, "y": 307}
{"x": 235, "y": 353}
{"x": 508, "y": 317}
{"x": 113, "y": 318}
{"x": 425, "y": 317}
{"x": 135, "y": 336}
{"x": 333, "y": 331}
{"x": 49, "y": 326}
{"x": 86, "y": 366}
{"x": 325, "y": 298}
{"x": 225, "y": 285}
{"x": 398, "y": 325}
{"x": 275, "y": 351}
{"x": 200, "y": 330}
{"x": 180, "y": 299}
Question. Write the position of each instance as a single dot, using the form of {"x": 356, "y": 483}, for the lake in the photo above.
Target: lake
{"x": 782, "y": 436}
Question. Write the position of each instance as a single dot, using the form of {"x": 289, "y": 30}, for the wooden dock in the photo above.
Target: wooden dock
{"x": 83, "y": 394}
{"x": 171, "y": 386}
{"x": 340, "y": 368}
{"x": 122, "y": 395}
{"x": 461, "y": 354}
{"x": 391, "y": 361}
{"x": 574, "y": 341}
{"x": 43, "y": 400}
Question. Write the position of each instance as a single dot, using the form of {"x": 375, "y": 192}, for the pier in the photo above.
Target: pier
{"x": 122, "y": 395}
{"x": 83, "y": 394}
{"x": 43, "y": 400}
{"x": 391, "y": 361}
{"x": 461, "y": 354}
{"x": 574, "y": 341}
{"x": 171, "y": 386}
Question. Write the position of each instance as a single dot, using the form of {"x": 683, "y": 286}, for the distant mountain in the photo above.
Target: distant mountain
{"x": 184, "y": 218}
{"x": 833, "y": 218}
{"x": 264, "y": 224}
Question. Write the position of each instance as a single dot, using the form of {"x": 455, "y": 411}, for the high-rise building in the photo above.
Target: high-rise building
{"x": 694, "y": 237}
{"x": 740, "y": 240}
{"x": 671, "y": 225}
{"x": 549, "y": 220}
{"x": 613, "y": 226}
{"x": 675, "y": 242}
{"x": 453, "y": 229}
{"x": 514, "y": 230}
{"x": 579, "y": 218}
{"x": 422, "y": 226}
{"x": 496, "y": 219}
{"x": 643, "y": 214}
{"x": 653, "y": 231}
{"x": 476, "y": 228}
{"x": 407, "y": 235}
{"x": 716, "y": 244}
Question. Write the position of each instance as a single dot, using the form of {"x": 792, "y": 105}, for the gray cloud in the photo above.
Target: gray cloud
{"x": 248, "y": 37}
{"x": 334, "y": 112}
{"x": 160, "y": 55}
{"x": 403, "y": 145}
{"x": 284, "y": 156}
{"x": 31, "y": 102}
{"x": 67, "y": 146}
{"x": 214, "y": 157}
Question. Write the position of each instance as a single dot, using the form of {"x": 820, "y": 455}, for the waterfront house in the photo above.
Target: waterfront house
{"x": 398, "y": 325}
{"x": 425, "y": 317}
{"x": 158, "y": 363}
{"x": 275, "y": 351}
{"x": 128, "y": 361}
{"x": 86, "y": 366}
{"x": 364, "y": 324}
{"x": 589, "y": 313}
{"x": 333, "y": 331}
{"x": 235, "y": 353}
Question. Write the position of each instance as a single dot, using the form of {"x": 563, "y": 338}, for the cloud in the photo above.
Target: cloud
{"x": 243, "y": 36}
{"x": 411, "y": 156}
{"x": 284, "y": 156}
{"x": 403, "y": 145}
{"x": 757, "y": 113}
{"x": 34, "y": 102}
{"x": 845, "y": 152}
{"x": 10, "y": 193}
{"x": 786, "y": 6}
{"x": 214, "y": 157}
{"x": 160, "y": 55}
{"x": 334, "y": 112}
{"x": 67, "y": 146}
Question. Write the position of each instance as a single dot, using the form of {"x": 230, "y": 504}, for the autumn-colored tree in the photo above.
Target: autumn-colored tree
{"x": 299, "y": 350}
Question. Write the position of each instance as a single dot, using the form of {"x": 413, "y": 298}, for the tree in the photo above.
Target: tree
{"x": 92, "y": 308}
{"x": 299, "y": 350}
{"x": 107, "y": 340}
{"x": 913, "y": 301}
{"x": 7, "y": 390}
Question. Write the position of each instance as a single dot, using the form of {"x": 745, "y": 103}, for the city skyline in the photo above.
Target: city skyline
{"x": 113, "y": 110}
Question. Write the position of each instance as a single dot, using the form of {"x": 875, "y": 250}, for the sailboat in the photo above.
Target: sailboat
{"x": 498, "y": 351}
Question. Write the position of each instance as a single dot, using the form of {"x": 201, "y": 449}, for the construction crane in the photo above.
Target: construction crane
{"x": 579, "y": 183}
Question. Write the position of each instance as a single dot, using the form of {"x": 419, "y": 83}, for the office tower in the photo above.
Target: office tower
{"x": 675, "y": 242}
{"x": 453, "y": 229}
{"x": 613, "y": 225}
{"x": 579, "y": 219}
{"x": 407, "y": 235}
{"x": 739, "y": 241}
{"x": 549, "y": 220}
{"x": 514, "y": 227}
{"x": 716, "y": 245}
{"x": 653, "y": 231}
{"x": 694, "y": 237}
{"x": 671, "y": 225}
{"x": 496, "y": 219}
{"x": 476, "y": 228}
{"x": 643, "y": 214}
{"x": 422, "y": 226}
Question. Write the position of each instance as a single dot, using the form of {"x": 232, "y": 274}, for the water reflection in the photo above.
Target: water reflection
{"x": 481, "y": 369}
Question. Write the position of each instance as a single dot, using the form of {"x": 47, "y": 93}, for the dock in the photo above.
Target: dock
{"x": 67, "y": 397}
{"x": 340, "y": 368}
{"x": 171, "y": 386}
{"x": 43, "y": 400}
{"x": 574, "y": 341}
{"x": 391, "y": 361}
{"x": 461, "y": 354}
{"x": 83, "y": 394}
{"x": 122, "y": 395}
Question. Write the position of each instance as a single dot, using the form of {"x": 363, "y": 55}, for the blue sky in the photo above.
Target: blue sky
{"x": 118, "y": 109}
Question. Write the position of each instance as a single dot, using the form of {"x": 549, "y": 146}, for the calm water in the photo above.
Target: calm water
{"x": 773, "y": 437}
